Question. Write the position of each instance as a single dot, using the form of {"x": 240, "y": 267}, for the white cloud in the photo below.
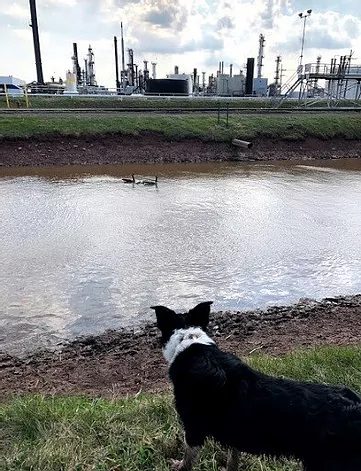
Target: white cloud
{"x": 187, "y": 33}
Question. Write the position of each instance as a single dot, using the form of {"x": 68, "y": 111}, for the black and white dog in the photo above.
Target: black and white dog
{"x": 219, "y": 396}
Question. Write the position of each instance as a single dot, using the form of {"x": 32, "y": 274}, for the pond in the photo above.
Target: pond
{"x": 82, "y": 252}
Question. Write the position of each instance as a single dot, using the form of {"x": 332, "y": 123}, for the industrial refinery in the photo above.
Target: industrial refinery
{"x": 333, "y": 81}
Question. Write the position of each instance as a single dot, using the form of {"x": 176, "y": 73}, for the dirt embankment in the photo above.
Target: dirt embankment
{"x": 123, "y": 362}
{"x": 154, "y": 148}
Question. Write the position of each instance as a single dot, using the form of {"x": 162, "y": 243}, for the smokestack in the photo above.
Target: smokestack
{"x": 230, "y": 69}
{"x": 249, "y": 76}
{"x": 76, "y": 61}
{"x": 123, "y": 58}
{"x": 145, "y": 72}
{"x": 260, "y": 55}
{"x": 117, "y": 83}
{"x": 176, "y": 69}
{"x": 278, "y": 69}
{"x": 131, "y": 67}
{"x": 154, "y": 73}
{"x": 35, "y": 28}
{"x": 194, "y": 79}
{"x": 136, "y": 83}
{"x": 222, "y": 68}
{"x": 90, "y": 64}
{"x": 86, "y": 79}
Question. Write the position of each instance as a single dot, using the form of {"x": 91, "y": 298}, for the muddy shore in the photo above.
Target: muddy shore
{"x": 123, "y": 362}
{"x": 154, "y": 148}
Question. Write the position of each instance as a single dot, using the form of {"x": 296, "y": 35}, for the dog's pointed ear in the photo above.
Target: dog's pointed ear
{"x": 167, "y": 321}
{"x": 199, "y": 315}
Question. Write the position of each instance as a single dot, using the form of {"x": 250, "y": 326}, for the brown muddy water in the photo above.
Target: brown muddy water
{"x": 82, "y": 252}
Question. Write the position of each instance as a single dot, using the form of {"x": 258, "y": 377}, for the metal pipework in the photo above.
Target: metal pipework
{"x": 243, "y": 144}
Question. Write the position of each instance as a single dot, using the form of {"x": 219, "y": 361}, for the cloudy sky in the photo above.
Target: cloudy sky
{"x": 187, "y": 33}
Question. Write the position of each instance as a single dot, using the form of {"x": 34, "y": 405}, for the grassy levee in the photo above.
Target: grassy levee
{"x": 119, "y": 102}
{"x": 203, "y": 127}
{"x": 141, "y": 433}
{"x": 77, "y": 102}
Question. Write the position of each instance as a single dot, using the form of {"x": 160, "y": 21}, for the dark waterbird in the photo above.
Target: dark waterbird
{"x": 150, "y": 182}
{"x": 129, "y": 180}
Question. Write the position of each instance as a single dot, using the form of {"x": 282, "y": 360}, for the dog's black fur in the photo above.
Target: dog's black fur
{"x": 218, "y": 395}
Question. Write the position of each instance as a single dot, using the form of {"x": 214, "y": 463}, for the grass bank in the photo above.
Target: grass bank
{"x": 141, "y": 433}
{"x": 113, "y": 102}
{"x": 202, "y": 127}
{"x": 119, "y": 102}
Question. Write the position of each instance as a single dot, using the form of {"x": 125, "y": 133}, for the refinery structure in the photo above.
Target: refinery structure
{"x": 311, "y": 82}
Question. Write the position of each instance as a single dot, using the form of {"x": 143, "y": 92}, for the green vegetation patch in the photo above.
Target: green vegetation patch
{"x": 161, "y": 103}
{"x": 178, "y": 128}
{"x": 141, "y": 433}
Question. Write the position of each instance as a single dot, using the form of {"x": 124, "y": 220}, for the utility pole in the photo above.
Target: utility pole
{"x": 303, "y": 17}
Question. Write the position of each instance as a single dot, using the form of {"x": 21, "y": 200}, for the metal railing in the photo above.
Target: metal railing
{"x": 317, "y": 70}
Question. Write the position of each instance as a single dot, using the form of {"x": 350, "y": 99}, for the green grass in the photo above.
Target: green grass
{"x": 206, "y": 128}
{"x": 114, "y": 102}
{"x": 65, "y": 102}
{"x": 141, "y": 433}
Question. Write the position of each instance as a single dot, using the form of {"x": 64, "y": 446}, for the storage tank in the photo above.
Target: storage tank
{"x": 186, "y": 77}
{"x": 167, "y": 86}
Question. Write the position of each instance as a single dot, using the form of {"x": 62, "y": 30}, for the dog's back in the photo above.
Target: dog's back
{"x": 218, "y": 395}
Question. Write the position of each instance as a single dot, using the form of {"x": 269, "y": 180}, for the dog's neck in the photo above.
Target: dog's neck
{"x": 182, "y": 339}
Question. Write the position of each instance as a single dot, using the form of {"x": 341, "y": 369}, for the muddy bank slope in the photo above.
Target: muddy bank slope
{"x": 123, "y": 362}
{"x": 155, "y": 148}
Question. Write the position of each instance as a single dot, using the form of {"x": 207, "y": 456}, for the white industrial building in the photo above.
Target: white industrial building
{"x": 231, "y": 85}
{"x": 13, "y": 85}
{"x": 260, "y": 86}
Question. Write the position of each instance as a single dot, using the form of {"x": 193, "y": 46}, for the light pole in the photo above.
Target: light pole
{"x": 303, "y": 17}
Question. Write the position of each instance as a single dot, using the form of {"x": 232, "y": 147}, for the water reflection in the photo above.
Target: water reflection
{"x": 82, "y": 252}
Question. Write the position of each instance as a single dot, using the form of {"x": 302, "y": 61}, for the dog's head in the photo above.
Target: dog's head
{"x": 168, "y": 321}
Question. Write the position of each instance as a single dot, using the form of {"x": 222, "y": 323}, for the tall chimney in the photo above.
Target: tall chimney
{"x": 35, "y": 28}
{"x": 76, "y": 60}
{"x": 260, "y": 55}
{"x": 117, "y": 83}
{"x": 249, "y": 76}
{"x": 123, "y": 58}
{"x": 154, "y": 73}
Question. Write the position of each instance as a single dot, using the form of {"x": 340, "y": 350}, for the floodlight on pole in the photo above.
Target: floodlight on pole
{"x": 303, "y": 17}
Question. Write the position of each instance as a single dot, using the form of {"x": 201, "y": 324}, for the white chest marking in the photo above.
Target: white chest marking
{"x": 182, "y": 339}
